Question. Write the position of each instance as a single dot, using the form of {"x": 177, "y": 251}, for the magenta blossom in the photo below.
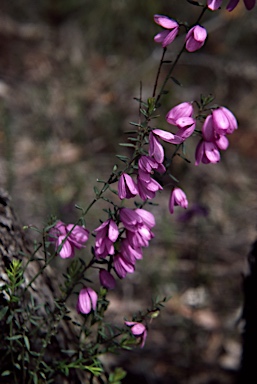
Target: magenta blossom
{"x": 87, "y": 300}
{"x": 207, "y": 150}
{"x": 68, "y": 237}
{"x": 149, "y": 165}
{"x": 195, "y": 38}
{"x": 214, "y": 4}
{"x": 177, "y": 197}
{"x": 122, "y": 266}
{"x": 172, "y": 28}
{"x": 106, "y": 279}
{"x": 155, "y": 148}
{"x": 224, "y": 122}
{"x": 106, "y": 234}
{"x": 181, "y": 117}
{"x": 138, "y": 330}
{"x": 147, "y": 186}
{"x": 126, "y": 187}
{"x": 133, "y": 220}
{"x": 181, "y": 110}
{"x": 130, "y": 251}
{"x": 249, "y": 4}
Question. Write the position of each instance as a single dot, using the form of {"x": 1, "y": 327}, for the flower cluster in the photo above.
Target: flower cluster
{"x": 136, "y": 234}
{"x": 220, "y": 123}
{"x": 195, "y": 37}
{"x": 68, "y": 237}
{"x": 119, "y": 241}
{"x": 215, "y": 128}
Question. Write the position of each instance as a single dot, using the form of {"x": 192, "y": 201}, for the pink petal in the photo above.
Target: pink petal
{"x": 232, "y": 4}
{"x": 214, "y": 4}
{"x": 113, "y": 231}
{"x": 180, "y": 110}
{"x": 165, "y": 22}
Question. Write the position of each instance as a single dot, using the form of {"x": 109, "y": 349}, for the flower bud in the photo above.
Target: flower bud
{"x": 87, "y": 300}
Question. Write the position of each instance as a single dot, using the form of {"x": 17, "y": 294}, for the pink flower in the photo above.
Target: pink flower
{"x": 68, "y": 237}
{"x": 147, "y": 186}
{"x": 181, "y": 116}
{"x": 122, "y": 266}
{"x": 147, "y": 217}
{"x": 130, "y": 219}
{"x": 220, "y": 123}
{"x": 155, "y": 148}
{"x": 224, "y": 122}
{"x": 168, "y": 36}
{"x": 249, "y": 4}
{"x": 206, "y": 152}
{"x": 107, "y": 234}
{"x": 87, "y": 300}
{"x": 195, "y": 38}
{"x": 214, "y": 4}
{"x": 148, "y": 164}
{"x": 138, "y": 330}
{"x": 78, "y": 236}
{"x": 129, "y": 251}
{"x": 106, "y": 279}
{"x": 177, "y": 197}
{"x": 133, "y": 220}
{"x": 66, "y": 250}
{"x": 126, "y": 187}
{"x": 181, "y": 110}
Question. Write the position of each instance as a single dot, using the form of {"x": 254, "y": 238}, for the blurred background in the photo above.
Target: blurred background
{"x": 69, "y": 70}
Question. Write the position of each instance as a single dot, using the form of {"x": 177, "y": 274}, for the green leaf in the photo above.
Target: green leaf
{"x": 176, "y": 81}
{"x": 127, "y": 145}
{"x": 3, "y": 312}
{"x": 6, "y": 373}
{"x": 123, "y": 158}
{"x": 26, "y": 341}
{"x": 15, "y": 337}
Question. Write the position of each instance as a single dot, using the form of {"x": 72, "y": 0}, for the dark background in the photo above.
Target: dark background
{"x": 69, "y": 71}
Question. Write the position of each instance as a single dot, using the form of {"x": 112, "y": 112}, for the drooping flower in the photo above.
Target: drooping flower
{"x": 147, "y": 186}
{"x": 133, "y": 220}
{"x": 68, "y": 237}
{"x": 155, "y": 148}
{"x": 138, "y": 330}
{"x": 131, "y": 251}
{"x": 106, "y": 235}
{"x": 66, "y": 249}
{"x": 177, "y": 197}
{"x": 167, "y": 36}
{"x": 195, "y": 38}
{"x": 206, "y": 152}
{"x": 130, "y": 219}
{"x": 148, "y": 164}
{"x": 126, "y": 187}
{"x": 147, "y": 217}
{"x": 106, "y": 279}
{"x": 249, "y": 4}
{"x": 214, "y": 4}
{"x": 122, "y": 266}
{"x": 78, "y": 235}
{"x": 214, "y": 129}
{"x": 224, "y": 122}
{"x": 87, "y": 300}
